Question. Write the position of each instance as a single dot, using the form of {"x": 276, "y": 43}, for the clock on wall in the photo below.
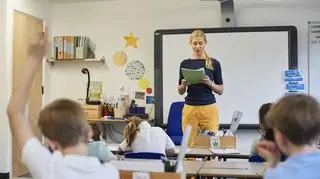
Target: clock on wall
{"x": 135, "y": 70}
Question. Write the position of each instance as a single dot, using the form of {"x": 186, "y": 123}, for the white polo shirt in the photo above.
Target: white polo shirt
{"x": 149, "y": 139}
{"x": 44, "y": 165}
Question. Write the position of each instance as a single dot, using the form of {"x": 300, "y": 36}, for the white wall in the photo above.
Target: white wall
{"x": 39, "y": 9}
{"x": 4, "y": 128}
{"x": 106, "y": 22}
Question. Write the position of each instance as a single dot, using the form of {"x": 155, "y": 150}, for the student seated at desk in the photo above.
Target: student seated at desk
{"x": 141, "y": 137}
{"x": 295, "y": 120}
{"x": 262, "y": 127}
{"x": 97, "y": 147}
{"x": 63, "y": 124}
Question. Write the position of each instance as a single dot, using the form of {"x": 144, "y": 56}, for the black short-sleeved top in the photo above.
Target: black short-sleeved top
{"x": 201, "y": 94}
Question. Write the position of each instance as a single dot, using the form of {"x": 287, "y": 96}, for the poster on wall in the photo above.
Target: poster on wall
{"x": 120, "y": 58}
{"x": 293, "y": 81}
{"x": 135, "y": 70}
{"x": 131, "y": 40}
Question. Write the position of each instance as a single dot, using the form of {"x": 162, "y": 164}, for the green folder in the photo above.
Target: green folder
{"x": 193, "y": 76}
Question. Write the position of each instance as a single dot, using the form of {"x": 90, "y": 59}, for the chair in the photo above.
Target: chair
{"x": 144, "y": 155}
{"x": 256, "y": 158}
{"x": 174, "y": 128}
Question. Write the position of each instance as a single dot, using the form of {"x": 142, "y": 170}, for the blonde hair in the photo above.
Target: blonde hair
{"x": 200, "y": 33}
{"x": 131, "y": 129}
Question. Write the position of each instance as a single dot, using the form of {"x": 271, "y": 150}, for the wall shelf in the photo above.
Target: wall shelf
{"x": 52, "y": 61}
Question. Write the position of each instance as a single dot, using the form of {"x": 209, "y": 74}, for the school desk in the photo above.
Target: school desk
{"x": 232, "y": 169}
{"x": 193, "y": 153}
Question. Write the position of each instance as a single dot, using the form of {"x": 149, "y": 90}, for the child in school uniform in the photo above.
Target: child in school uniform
{"x": 63, "y": 124}
{"x": 295, "y": 120}
{"x": 141, "y": 137}
{"x": 97, "y": 147}
{"x": 262, "y": 127}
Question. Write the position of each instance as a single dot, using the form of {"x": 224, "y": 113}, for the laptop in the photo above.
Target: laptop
{"x": 236, "y": 117}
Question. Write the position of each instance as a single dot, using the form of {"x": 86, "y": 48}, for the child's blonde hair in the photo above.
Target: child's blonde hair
{"x": 131, "y": 129}
{"x": 200, "y": 33}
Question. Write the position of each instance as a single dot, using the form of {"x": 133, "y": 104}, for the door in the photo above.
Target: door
{"x": 24, "y": 27}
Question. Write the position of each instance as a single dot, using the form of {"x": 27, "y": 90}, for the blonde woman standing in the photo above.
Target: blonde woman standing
{"x": 200, "y": 109}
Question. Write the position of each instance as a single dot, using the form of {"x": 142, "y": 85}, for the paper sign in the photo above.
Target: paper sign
{"x": 292, "y": 73}
{"x": 140, "y": 175}
{"x": 294, "y": 86}
{"x": 290, "y": 79}
{"x": 139, "y": 95}
{"x": 150, "y": 100}
{"x": 143, "y": 83}
{"x": 214, "y": 141}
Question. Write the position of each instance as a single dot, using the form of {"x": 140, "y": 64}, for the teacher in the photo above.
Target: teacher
{"x": 200, "y": 109}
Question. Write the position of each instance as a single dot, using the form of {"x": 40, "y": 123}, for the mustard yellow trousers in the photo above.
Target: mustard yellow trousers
{"x": 202, "y": 117}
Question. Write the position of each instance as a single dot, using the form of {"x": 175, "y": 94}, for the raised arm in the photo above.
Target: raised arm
{"x": 20, "y": 127}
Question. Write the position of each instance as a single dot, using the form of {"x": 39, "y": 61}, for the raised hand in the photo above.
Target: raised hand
{"x": 38, "y": 45}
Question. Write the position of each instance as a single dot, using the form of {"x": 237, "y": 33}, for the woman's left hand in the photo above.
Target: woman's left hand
{"x": 206, "y": 80}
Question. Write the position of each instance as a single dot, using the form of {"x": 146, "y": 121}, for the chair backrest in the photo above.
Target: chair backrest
{"x": 144, "y": 155}
{"x": 174, "y": 129}
{"x": 256, "y": 158}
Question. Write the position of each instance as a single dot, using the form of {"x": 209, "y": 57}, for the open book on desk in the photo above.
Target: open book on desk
{"x": 193, "y": 76}
{"x": 224, "y": 151}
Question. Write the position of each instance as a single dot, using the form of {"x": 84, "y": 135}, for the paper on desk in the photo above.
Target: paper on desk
{"x": 177, "y": 150}
{"x": 193, "y": 76}
{"x": 224, "y": 151}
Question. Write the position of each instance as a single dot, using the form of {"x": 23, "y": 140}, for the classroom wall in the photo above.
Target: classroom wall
{"x": 4, "y": 131}
{"x": 106, "y": 22}
{"x": 40, "y": 9}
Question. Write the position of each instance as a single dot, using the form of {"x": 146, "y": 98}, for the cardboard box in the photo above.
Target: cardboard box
{"x": 224, "y": 142}
{"x": 92, "y": 111}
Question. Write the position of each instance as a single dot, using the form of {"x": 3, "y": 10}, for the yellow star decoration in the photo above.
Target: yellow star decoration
{"x": 131, "y": 40}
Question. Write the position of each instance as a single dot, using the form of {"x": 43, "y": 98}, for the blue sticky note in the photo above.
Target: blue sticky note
{"x": 291, "y": 79}
{"x": 294, "y": 86}
{"x": 150, "y": 100}
{"x": 292, "y": 73}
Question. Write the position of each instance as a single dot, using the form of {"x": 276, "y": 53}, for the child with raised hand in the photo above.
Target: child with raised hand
{"x": 295, "y": 120}
{"x": 141, "y": 137}
{"x": 63, "y": 124}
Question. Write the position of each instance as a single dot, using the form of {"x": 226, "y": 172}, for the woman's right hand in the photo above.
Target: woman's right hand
{"x": 184, "y": 83}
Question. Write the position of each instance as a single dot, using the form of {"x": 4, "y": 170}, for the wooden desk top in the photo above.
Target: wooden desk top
{"x": 191, "y": 168}
{"x": 232, "y": 169}
{"x": 192, "y": 152}
{"x": 105, "y": 120}
{"x": 109, "y": 120}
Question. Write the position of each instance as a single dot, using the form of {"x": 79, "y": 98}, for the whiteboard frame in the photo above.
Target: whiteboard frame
{"x": 158, "y": 61}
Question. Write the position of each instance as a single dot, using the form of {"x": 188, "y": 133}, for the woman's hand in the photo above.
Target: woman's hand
{"x": 206, "y": 80}
{"x": 182, "y": 87}
{"x": 269, "y": 151}
{"x": 184, "y": 83}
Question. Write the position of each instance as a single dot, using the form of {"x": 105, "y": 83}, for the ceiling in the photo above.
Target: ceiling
{"x": 305, "y": 2}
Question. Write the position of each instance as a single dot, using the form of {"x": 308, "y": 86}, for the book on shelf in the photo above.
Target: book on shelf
{"x": 70, "y": 47}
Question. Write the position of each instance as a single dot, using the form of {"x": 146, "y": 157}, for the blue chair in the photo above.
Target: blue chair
{"x": 256, "y": 158}
{"x": 144, "y": 155}
{"x": 174, "y": 129}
